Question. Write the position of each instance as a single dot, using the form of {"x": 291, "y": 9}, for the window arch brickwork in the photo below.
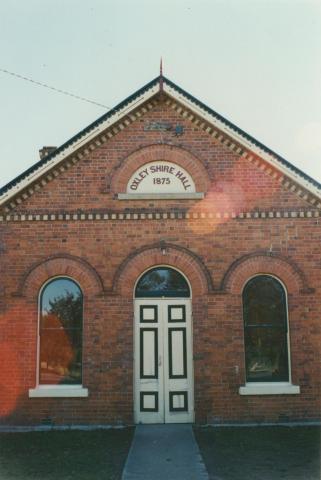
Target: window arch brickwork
{"x": 246, "y": 267}
{"x": 68, "y": 266}
{"x": 163, "y": 254}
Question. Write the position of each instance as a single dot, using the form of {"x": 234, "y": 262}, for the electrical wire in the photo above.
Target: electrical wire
{"x": 13, "y": 74}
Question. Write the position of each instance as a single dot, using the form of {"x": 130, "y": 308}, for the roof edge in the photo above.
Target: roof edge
{"x": 141, "y": 95}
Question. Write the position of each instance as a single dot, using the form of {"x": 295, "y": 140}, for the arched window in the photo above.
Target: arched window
{"x": 60, "y": 332}
{"x": 265, "y": 330}
{"x": 162, "y": 282}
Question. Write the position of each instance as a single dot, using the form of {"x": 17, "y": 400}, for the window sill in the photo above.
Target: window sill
{"x": 58, "y": 391}
{"x": 280, "y": 388}
{"x": 160, "y": 196}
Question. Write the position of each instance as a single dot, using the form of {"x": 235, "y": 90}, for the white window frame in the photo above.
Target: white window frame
{"x": 270, "y": 388}
{"x": 43, "y": 390}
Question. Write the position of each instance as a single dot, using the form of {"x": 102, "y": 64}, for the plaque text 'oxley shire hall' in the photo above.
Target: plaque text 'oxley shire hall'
{"x": 162, "y": 176}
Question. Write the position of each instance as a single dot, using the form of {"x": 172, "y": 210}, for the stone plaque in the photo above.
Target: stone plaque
{"x": 159, "y": 126}
{"x": 161, "y": 177}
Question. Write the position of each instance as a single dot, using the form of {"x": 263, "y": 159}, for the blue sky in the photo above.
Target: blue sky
{"x": 257, "y": 62}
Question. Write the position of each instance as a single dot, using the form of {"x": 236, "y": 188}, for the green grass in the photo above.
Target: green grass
{"x": 71, "y": 454}
{"x": 261, "y": 453}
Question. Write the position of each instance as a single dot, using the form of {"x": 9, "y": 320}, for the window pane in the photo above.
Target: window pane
{"x": 265, "y": 330}
{"x": 61, "y": 333}
{"x": 60, "y": 356}
{"x": 266, "y": 354}
{"x": 264, "y": 302}
{"x": 162, "y": 282}
{"x": 62, "y": 299}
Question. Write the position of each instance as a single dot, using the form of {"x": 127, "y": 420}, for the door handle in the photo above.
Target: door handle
{"x": 159, "y": 360}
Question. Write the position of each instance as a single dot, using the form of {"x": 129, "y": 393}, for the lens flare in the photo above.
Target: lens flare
{"x": 222, "y": 200}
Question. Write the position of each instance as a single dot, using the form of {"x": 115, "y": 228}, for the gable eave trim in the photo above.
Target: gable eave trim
{"x": 125, "y": 108}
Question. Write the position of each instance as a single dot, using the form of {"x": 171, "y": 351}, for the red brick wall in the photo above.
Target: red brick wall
{"x": 106, "y": 257}
{"x": 234, "y": 182}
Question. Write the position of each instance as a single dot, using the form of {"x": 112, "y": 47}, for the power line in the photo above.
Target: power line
{"x": 13, "y": 74}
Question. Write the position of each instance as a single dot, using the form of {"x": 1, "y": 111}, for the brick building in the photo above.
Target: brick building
{"x": 160, "y": 266}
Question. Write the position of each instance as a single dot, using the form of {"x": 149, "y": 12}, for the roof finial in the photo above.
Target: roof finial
{"x": 161, "y": 75}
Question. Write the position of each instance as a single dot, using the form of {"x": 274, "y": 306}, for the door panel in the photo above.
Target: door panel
{"x": 148, "y": 353}
{"x": 177, "y": 353}
{"x": 163, "y": 361}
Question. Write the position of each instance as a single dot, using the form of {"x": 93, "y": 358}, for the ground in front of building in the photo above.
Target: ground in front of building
{"x": 72, "y": 454}
{"x": 264, "y": 453}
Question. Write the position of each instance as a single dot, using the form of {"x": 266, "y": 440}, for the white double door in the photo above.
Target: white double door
{"x": 163, "y": 361}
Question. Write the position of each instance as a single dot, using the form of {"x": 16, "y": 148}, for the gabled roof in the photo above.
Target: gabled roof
{"x": 213, "y": 122}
